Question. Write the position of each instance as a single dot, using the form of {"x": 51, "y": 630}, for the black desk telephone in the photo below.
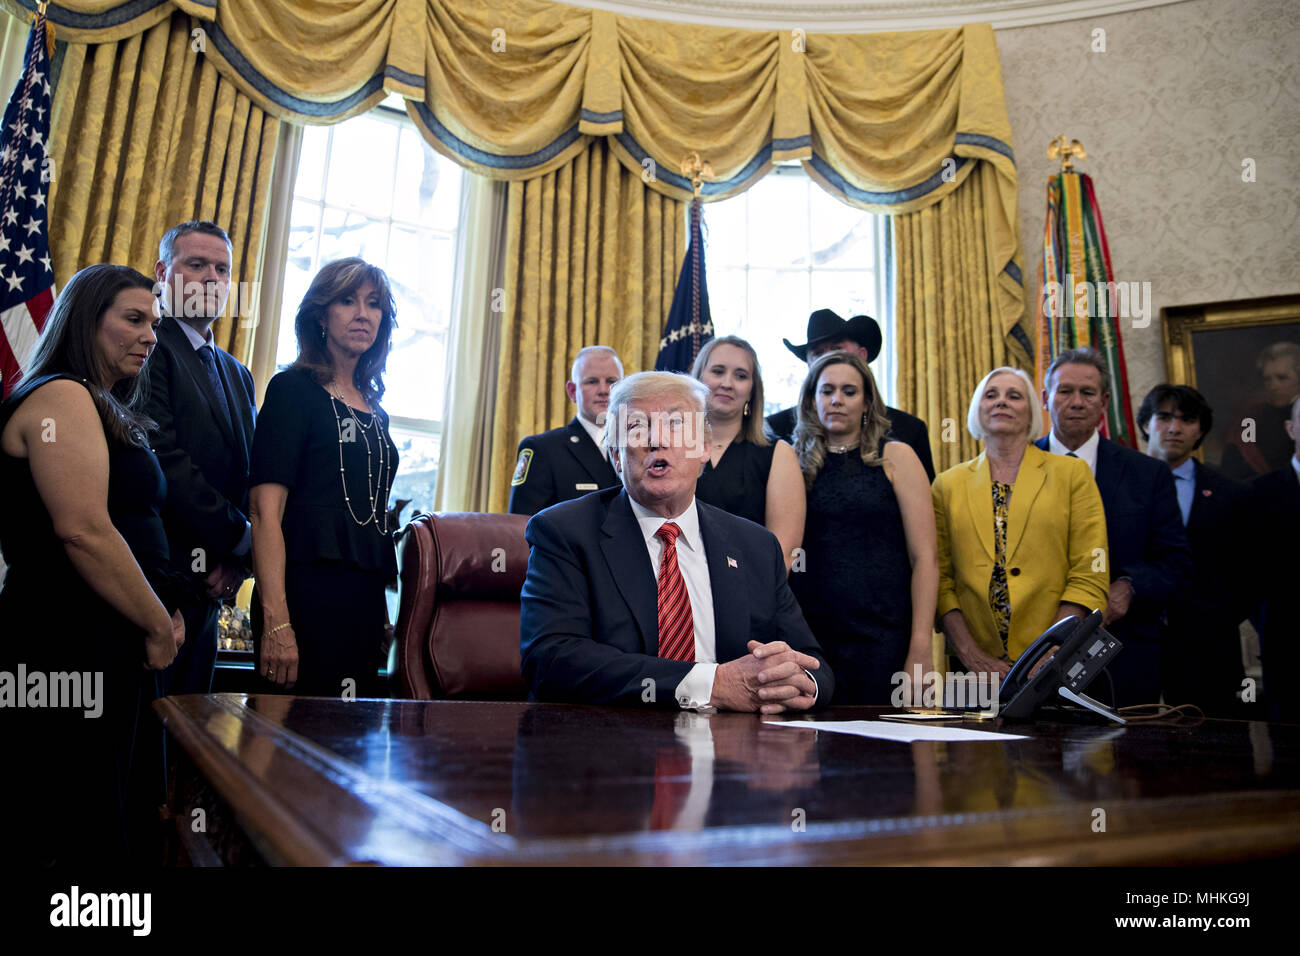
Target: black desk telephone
{"x": 1086, "y": 648}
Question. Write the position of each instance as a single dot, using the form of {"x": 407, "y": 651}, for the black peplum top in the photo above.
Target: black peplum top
{"x": 297, "y": 444}
{"x": 738, "y": 484}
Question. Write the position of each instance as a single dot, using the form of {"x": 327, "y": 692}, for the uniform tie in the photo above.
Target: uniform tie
{"x": 676, "y": 625}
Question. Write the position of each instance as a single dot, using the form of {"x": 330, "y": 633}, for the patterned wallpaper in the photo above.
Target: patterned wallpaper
{"x": 1180, "y": 97}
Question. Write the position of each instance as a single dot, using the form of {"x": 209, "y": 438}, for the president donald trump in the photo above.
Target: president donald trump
{"x": 642, "y": 596}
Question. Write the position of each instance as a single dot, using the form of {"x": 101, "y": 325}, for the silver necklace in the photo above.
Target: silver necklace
{"x": 375, "y": 484}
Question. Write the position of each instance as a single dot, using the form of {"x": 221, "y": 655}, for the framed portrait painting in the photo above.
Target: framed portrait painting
{"x": 1244, "y": 357}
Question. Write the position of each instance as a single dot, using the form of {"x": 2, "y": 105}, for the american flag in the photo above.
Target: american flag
{"x": 689, "y": 324}
{"x": 26, "y": 273}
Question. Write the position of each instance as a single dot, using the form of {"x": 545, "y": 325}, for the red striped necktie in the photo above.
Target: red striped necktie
{"x": 676, "y": 626}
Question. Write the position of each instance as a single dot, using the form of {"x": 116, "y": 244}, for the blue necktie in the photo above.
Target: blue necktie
{"x": 209, "y": 360}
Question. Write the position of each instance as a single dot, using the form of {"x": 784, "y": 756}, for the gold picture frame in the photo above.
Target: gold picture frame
{"x": 1230, "y": 352}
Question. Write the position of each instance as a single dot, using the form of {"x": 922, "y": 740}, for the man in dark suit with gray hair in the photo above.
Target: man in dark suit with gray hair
{"x": 1148, "y": 553}
{"x": 641, "y": 595}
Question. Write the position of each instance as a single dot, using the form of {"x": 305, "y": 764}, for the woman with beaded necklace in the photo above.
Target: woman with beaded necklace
{"x": 322, "y": 468}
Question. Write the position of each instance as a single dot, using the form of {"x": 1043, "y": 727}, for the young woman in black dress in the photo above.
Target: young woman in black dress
{"x": 872, "y": 577}
{"x": 747, "y": 475}
{"x": 322, "y": 468}
{"x": 87, "y": 590}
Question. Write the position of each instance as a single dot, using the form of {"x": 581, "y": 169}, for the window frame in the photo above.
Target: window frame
{"x": 423, "y": 427}
{"x": 886, "y": 365}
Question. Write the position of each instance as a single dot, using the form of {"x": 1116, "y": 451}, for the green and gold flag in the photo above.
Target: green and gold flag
{"x": 1078, "y": 297}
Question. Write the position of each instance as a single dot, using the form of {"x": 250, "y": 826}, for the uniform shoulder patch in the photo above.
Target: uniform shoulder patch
{"x": 521, "y": 467}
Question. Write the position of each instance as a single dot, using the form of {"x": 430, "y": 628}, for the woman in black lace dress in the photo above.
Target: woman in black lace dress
{"x": 322, "y": 468}
{"x": 869, "y": 587}
{"x": 87, "y": 593}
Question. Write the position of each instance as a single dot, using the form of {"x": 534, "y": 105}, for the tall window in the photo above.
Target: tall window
{"x": 372, "y": 187}
{"x": 781, "y": 250}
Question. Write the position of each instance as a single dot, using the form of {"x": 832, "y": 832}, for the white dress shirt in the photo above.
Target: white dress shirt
{"x": 597, "y": 432}
{"x": 192, "y": 334}
{"x": 1087, "y": 451}
{"x": 695, "y": 733}
{"x": 696, "y": 688}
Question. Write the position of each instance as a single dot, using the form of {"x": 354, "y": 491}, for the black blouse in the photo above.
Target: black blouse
{"x": 41, "y": 577}
{"x": 739, "y": 482}
{"x": 301, "y": 432}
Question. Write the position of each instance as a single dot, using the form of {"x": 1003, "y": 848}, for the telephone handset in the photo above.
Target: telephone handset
{"x": 1086, "y": 648}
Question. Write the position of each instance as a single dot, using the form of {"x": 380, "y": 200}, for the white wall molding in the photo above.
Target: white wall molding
{"x": 868, "y": 16}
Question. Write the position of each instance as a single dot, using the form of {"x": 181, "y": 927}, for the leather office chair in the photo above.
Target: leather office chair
{"x": 457, "y": 631}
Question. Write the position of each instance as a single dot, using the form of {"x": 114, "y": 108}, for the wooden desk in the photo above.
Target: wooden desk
{"x": 324, "y": 781}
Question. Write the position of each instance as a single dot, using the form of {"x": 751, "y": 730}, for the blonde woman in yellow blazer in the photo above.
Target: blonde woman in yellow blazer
{"x": 1055, "y": 532}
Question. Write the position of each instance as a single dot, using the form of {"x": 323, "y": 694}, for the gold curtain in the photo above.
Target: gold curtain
{"x": 947, "y": 334}
{"x": 145, "y": 135}
{"x": 592, "y": 257}
{"x": 521, "y": 90}
{"x": 514, "y": 88}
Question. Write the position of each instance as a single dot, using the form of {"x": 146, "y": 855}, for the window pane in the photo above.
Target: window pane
{"x": 778, "y": 222}
{"x": 853, "y": 293}
{"x": 779, "y": 300}
{"x": 420, "y": 271}
{"x": 428, "y": 185}
{"x": 417, "y": 251}
{"x": 346, "y": 234}
{"x": 298, "y": 271}
{"x": 725, "y": 233}
{"x": 361, "y": 166}
{"x": 417, "y": 470}
{"x": 311, "y": 162}
{"x": 764, "y": 283}
{"x": 842, "y": 235}
{"x": 727, "y": 298}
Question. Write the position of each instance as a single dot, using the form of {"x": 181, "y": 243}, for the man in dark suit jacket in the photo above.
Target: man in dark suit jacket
{"x": 568, "y": 462}
{"x": 1148, "y": 552}
{"x": 1201, "y": 653}
{"x": 1277, "y": 504}
{"x": 621, "y": 606}
{"x": 203, "y": 401}
{"x": 827, "y": 332}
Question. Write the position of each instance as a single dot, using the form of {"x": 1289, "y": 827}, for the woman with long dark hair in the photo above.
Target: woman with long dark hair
{"x": 87, "y": 602}
{"x": 868, "y": 588}
{"x": 322, "y": 468}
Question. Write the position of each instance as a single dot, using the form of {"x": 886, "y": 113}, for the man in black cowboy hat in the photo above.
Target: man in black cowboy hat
{"x": 827, "y": 332}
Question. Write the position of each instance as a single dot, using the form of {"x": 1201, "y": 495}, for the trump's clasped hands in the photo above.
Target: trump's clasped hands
{"x": 770, "y": 679}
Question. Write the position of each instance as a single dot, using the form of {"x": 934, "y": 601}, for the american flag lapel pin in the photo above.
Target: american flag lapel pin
{"x": 731, "y": 562}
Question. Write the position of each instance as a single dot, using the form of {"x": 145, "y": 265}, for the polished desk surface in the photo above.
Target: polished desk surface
{"x": 326, "y": 781}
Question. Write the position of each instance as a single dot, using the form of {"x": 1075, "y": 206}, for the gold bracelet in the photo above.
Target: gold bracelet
{"x": 278, "y": 627}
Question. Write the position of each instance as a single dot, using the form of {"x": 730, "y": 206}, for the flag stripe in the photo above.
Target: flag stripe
{"x": 26, "y": 272}
{"x": 689, "y": 324}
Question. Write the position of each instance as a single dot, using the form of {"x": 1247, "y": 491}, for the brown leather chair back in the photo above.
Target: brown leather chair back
{"x": 457, "y": 631}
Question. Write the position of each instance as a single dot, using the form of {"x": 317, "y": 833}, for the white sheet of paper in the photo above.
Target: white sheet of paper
{"x": 903, "y": 733}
